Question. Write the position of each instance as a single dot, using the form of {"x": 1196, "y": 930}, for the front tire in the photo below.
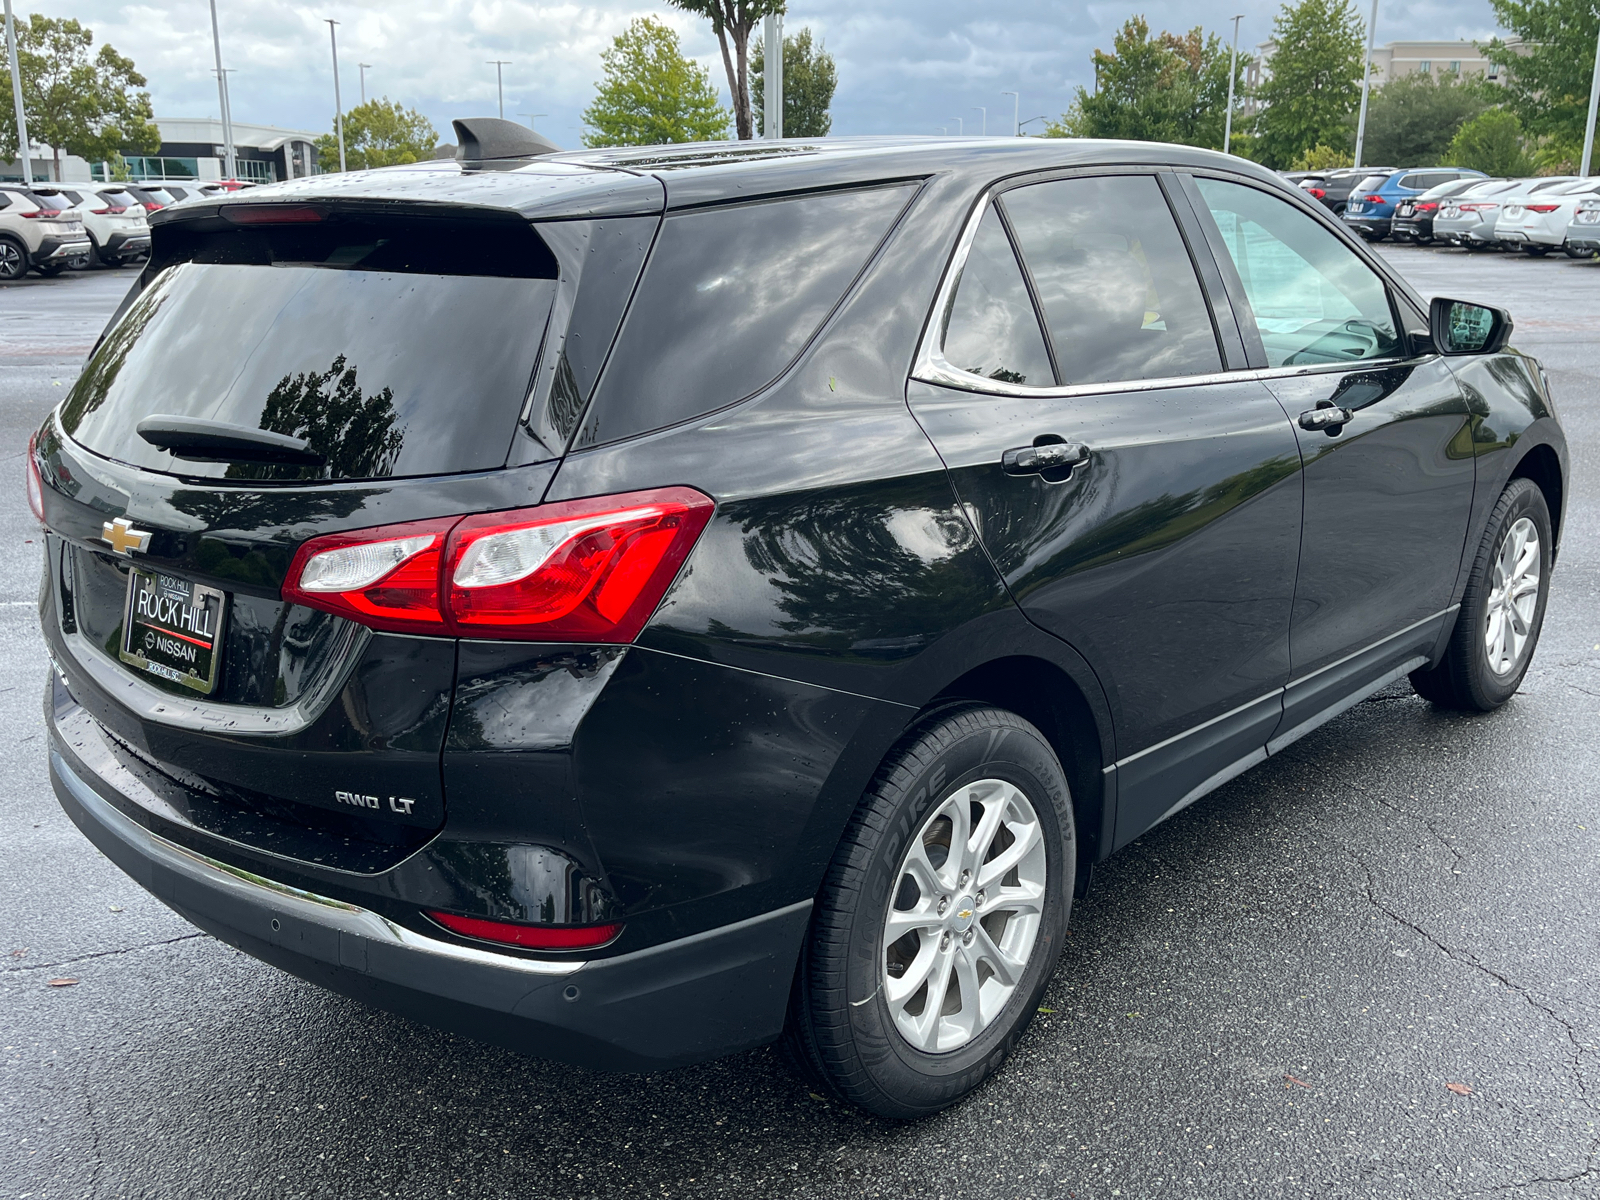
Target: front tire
{"x": 13, "y": 259}
{"x": 940, "y": 919}
{"x": 1502, "y": 609}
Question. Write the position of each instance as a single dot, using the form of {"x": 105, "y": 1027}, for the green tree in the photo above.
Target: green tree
{"x": 379, "y": 133}
{"x": 1411, "y": 119}
{"x": 1548, "y": 87}
{"x": 1492, "y": 143}
{"x": 732, "y": 21}
{"x": 1172, "y": 88}
{"x": 1315, "y": 81}
{"x": 1322, "y": 158}
{"x": 651, "y": 93}
{"x": 809, "y": 79}
{"x": 85, "y": 102}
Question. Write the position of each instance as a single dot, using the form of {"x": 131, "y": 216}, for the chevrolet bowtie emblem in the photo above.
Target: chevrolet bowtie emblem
{"x": 964, "y": 914}
{"x": 123, "y": 537}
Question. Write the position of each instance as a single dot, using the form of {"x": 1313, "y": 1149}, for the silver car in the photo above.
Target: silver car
{"x": 1469, "y": 219}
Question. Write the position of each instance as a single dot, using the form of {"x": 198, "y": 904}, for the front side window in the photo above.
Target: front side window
{"x": 1314, "y": 301}
{"x": 1117, "y": 289}
{"x": 991, "y": 328}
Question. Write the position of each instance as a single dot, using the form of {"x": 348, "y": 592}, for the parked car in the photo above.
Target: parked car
{"x": 1537, "y": 223}
{"x": 1370, "y": 209}
{"x": 1583, "y": 234}
{"x": 114, "y": 220}
{"x": 1413, "y": 218}
{"x": 676, "y": 702}
{"x": 156, "y": 196}
{"x": 38, "y": 230}
{"x": 1469, "y": 219}
{"x": 1335, "y": 188}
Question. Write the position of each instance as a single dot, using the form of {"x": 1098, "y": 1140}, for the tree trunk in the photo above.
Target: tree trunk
{"x": 742, "y": 115}
{"x": 57, "y": 151}
{"x": 733, "y": 81}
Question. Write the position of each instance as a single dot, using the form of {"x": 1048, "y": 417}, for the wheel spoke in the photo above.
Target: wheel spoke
{"x": 994, "y": 812}
{"x": 898, "y": 991}
{"x": 970, "y": 1019}
{"x": 902, "y": 922}
{"x": 1006, "y": 969}
{"x": 920, "y": 867}
{"x": 927, "y": 1025}
{"x": 1000, "y": 865}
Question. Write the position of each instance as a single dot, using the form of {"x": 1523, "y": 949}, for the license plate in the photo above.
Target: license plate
{"x": 1513, "y": 212}
{"x": 1355, "y": 207}
{"x": 171, "y": 628}
{"x": 1405, "y": 210}
{"x": 1450, "y": 214}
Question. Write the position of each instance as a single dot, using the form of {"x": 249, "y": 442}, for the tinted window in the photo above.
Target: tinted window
{"x": 1370, "y": 183}
{"x": 384, "y": 370}
{"x": 1119, "y": 293}
{"x": 1314, "y": 301}
{"x": 729, "y": 298}
{"x": 991, "y": 328}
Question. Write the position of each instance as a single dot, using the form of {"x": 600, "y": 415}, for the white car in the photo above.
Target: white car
{"x": 112, "y": 216}
{"x": 1538, "y": 223}
{"x": 38, "y": 231}
{"x": 1472, "y": 219}
{"x": 1583, "y": 234}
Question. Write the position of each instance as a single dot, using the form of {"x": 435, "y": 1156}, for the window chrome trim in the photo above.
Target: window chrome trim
{"x": 931, "y": 366}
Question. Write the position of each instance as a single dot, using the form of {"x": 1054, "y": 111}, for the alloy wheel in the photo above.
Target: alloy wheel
{"x": 964, "y": 915}
{"x": 12, "y": 263}
{"x": 1513, "y": 597}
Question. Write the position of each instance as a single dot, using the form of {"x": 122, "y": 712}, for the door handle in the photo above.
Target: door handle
{"x": 1034, "y": 460}
{"x": 1327, "y": 416}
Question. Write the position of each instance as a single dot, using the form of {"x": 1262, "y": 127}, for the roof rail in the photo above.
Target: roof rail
{"x": 479, "y": 138}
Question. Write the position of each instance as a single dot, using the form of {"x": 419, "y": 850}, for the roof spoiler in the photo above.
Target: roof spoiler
{"x": 479, "y": 138}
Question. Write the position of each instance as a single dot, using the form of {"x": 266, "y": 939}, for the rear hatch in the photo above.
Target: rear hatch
{"x": 399, "y": 348}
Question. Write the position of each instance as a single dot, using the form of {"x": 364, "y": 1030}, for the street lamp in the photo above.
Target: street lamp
{"x": 985, "y": 125}
{"x": 230, "y": 160}
{"x": 531, "y": 117}
{"x": 1594, "y": 102}
{"x": 1028, "y": 122}
{"x": 364, "y": 67}
{"x": 499, "y": 82}
{"x": 1233, "y": 71}
{"x": 1366, "y": 85}
{"x": 1016, "y": 111}
{"x": 16, "y": 98}
{"x": 338, "y": 105}
{"x": 961, "y": 129}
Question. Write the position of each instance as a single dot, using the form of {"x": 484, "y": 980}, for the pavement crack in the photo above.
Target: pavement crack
{"x": 1467, "y": 958}
{"x": 67, "y": 962}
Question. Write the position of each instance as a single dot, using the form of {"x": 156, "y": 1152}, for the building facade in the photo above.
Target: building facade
{"x": 1394, "y": 59}
{"x": 191, "y": 148}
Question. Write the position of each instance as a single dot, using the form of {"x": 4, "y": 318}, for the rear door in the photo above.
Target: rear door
{"x": 1141, "y": 501}
{"x": 1385, "y": 434}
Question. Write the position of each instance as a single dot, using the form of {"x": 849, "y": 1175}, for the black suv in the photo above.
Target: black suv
{"x": 637, "y": 604}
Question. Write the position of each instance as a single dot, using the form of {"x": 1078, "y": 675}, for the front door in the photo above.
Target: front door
{"x": 1141, "y": 504}
{"x": 1385, "y": 435}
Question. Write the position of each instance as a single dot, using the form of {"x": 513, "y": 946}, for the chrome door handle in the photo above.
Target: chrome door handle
{"x": 1327, "y": 416}
{"x": 1032, "y": 460}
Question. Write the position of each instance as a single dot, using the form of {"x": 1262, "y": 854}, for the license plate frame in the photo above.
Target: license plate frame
{"x": 176, "y": 633}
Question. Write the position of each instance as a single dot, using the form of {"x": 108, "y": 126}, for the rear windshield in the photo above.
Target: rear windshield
{"x": 730, "y": 297}
{"x": 352, "y": 335}
{"x": 1371, "y": 183}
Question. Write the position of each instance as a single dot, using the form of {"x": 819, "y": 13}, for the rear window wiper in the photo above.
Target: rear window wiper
{"x": 199, "y": 440}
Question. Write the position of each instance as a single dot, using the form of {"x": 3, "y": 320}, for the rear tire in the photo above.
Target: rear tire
{"x": 13, "y": 258}
{"x": 52, "y": 271}
{"x": 1580, "y": 254}
{"x": 963, "y": 795}
{"x": 1502, "y": 610}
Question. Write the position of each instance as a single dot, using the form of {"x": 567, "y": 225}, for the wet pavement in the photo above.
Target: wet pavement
{"x": 1366, "y": 968}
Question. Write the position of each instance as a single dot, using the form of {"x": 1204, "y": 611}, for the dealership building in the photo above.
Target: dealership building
{"x": 192, "y": 148}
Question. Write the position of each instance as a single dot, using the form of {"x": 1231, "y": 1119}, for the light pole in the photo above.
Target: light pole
{"x": 16, "y": 98}
{"x": 772, "y": 70}
{"x": 229, "y": 161}
{"x": 1366, "y": 85}
{"x": 961, "y": 128}
{"x": 532, "y": 117}
{"x": 338, "y": 104}
{"x": 1594, "y": 102}
{"x": 1233, "y": 72}
{"x": 985, "y": 112}
{"x": 1028, "y": 122}
{"x": 363, "y": 68}
{"x": 499, "y": 82}
{"x": 1016, "y": 111}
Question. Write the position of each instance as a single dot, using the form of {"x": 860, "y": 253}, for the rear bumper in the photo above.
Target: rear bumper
{"x": 670, "y": 1005}
{"x": 1413, "y": 227}
{"x": 126, "y": 243}
{"x": 1589, "y": 240}
{"x": 1369, "y": 225}
{"x": 57, "y": 250}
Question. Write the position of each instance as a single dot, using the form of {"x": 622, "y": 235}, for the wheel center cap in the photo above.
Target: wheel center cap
{"x": 963, "y": 913}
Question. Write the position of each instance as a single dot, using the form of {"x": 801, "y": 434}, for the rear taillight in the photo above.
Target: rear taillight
{"x": 533, "y": 937}
{"x": 1317, "y": 192}
{"x": 1427, "y": 206}
{"x": 581, "y": 570}
{"x": 1478, "y": 207}
{"x": 150, "y": 208}
{"x": 1373, "y": 199}
{"x": 109, "y": 212}
{"x": 35, "y": 484}
{"x": 1542, "y": 208}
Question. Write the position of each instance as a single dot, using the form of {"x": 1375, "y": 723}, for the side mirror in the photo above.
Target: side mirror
{"x": 1458, "y": 327}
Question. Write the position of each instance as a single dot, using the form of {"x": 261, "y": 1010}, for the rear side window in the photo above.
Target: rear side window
{"x": 353, "y": 334}
{"x": 1120, "y": 297}
{"x": 729, "y": 298}
{"x": 991, "y": 328}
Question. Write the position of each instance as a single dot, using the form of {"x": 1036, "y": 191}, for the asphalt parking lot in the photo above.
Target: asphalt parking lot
{"x": 1270, "y": 995}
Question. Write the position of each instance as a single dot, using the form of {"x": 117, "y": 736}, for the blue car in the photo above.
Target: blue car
{"x": 1370, "y": 209}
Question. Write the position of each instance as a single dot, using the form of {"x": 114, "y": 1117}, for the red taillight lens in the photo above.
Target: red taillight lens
{"x": 581, "y": 570}
{"x": 1542, "y": 208}
{"x": 35, "y": 484}
{"x": 150, "y": 208}
{"x": 1427, "y": 206}
{"x": 1319, "y": 193}
{"x": 273, "y": 214}
{"x": 1478, "y": 207}
{"x": 1373, "y": 199}
{"x": 534, "y": 937}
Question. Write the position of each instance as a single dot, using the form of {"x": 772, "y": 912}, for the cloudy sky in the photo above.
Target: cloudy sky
{"x": 905, "y": 66}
